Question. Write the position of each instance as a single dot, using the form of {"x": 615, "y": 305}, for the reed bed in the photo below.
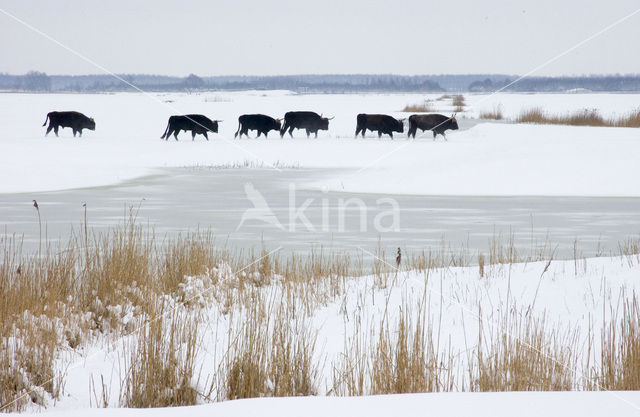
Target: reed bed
{"x": 127, "y": 283}
{"x": 424, "y": 107}
{"x": 585, "y": 117}
{"x": 494, "y": 114}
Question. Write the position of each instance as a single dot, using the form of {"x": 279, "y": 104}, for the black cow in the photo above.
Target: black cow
{"x": 196, "y": 123}
{"x": 259, "y": 122}
{"x": 73, "y": 119}
{"x": 437, "y": 123}
{"x": 308, "y": 120}
{"x": 381, "y": 122}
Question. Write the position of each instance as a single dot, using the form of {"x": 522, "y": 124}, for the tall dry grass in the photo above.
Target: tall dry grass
{"x": 585, "y": 117}
{"x": 403, "y": 358}
{"x": 424, "y": 107}
{"x": 407, "y": 360}
{"x": 93, "y": 285}
{"x": 620, "y": 355}
{"x": 162, "y": 369}
{"x": 458, "y": 100}
{"x": 521, "y": 354}
{"x": 271, "y": 354}
{"x": 494, "y": 114}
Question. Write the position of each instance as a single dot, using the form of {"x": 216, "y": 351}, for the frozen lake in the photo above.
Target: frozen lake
{"x": 178, "y": 200}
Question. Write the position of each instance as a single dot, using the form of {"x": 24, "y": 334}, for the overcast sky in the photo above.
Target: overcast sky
{"x": 179, "y": 37}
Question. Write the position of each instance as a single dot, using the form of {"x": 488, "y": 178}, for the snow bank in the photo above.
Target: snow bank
{"x": 521, "y": 404}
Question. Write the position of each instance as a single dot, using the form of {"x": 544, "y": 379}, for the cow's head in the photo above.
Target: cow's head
{"x": 278, "y": 124}
{"x": 324, "y": 123}
{"x": 215, "y": 126}
{"x": 453, "y": 123}
{"x": 91, "y": 124}
{"x": 400, "y": 126}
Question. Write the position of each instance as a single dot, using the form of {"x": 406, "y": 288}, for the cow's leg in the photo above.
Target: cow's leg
{"x": 259, "y": 132}
{"x": 206, "y": 136}
{"x": 379, "y": 134}
{"x": 193, "y": 135}
{"x": 55, "y": 130}
{"x": 445, "y": 137}
{"x": 175, "y": 133}
{"x": 49, "y": 129}
{"x": 266, "y": 134}
{"x": 307, "y": 130}
{"x": 358, "y": 131}
{"x": 434, "y": 135}
{"x": 316, "y": 134}
{"x": 80, "y": 131}
{"x": 290, "y": 131}
{"x": 391, "y": 134}
{"x": 74, "y": 132}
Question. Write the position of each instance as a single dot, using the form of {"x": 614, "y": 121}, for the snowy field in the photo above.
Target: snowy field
{"x": 575, "y": 299}
{"x": 485, "y": 159}
{"x": 462, "y": 308}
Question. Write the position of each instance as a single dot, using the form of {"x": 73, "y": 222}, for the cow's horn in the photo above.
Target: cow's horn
{"x": 331, "y": 118}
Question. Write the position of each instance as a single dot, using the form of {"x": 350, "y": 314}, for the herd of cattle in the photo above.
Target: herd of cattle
{"x": 311, "y": 122}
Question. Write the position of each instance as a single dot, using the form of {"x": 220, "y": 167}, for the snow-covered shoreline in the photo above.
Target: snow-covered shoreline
{"x": 577, "y": 297}
{"x": 488, "y": 404}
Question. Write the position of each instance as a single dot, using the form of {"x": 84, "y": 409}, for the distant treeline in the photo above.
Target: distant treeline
{"x": 620, "y": 83}
{"x": 40, "y": 81}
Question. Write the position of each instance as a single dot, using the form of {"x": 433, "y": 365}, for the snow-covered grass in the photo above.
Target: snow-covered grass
{"x": 201, "y": 326}
{"x": 585, "y": 117}
{"x": 607, "y": 104}
{"x": 487, "y": 159}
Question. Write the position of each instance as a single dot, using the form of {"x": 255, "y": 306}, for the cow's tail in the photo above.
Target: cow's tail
{"x": 239, "y": 127}
{"x": 45, "y": 120}
{"x": 166, "y": 130}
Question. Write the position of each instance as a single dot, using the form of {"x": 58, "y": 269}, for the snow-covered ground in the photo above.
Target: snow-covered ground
{"x": 574, "y": 297}
{"x": 521, "y": 404}
{"x": 487, "y": 159}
